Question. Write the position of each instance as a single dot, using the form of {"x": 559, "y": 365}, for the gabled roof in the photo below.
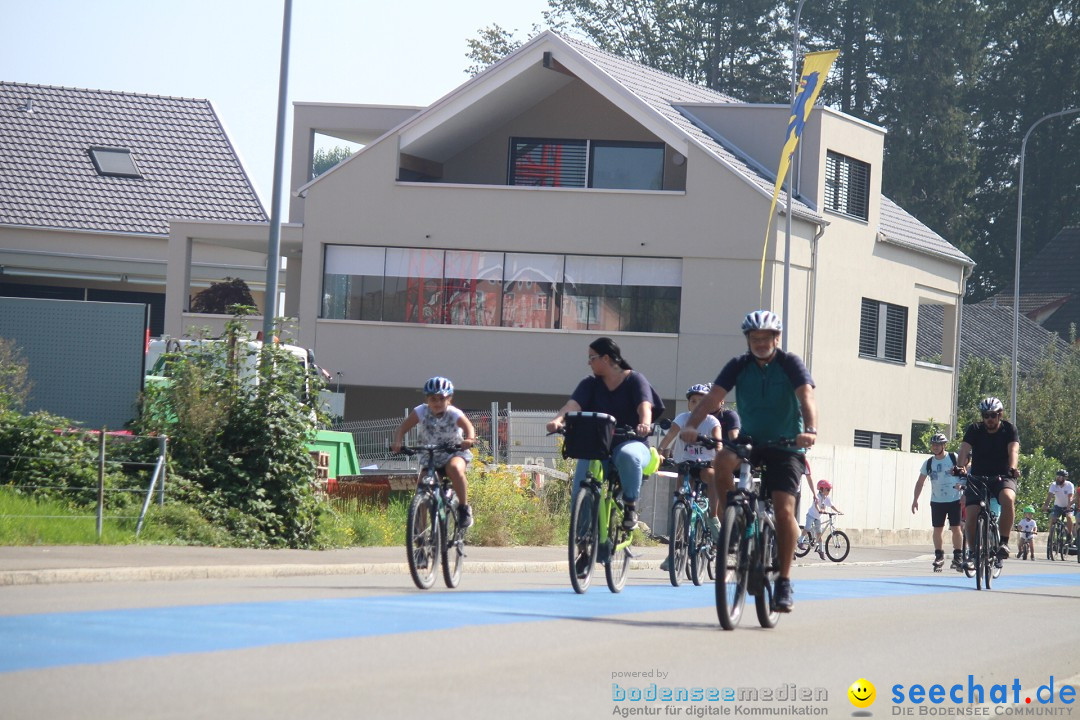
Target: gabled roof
{"x": 189, "y": 168}
{"x": 899, "y": 227}
{"x": 1050, "y": 283}
{"x": 986, "y": 332}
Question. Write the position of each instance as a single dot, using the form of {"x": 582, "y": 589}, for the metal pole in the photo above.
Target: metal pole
{"x": 787, "y": 232}
{"x": 1016, "y": 271}
{"x": 101, "y": 484}
{"x": 273, "y": 251}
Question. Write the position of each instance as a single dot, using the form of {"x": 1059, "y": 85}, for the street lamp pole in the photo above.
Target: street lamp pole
{"x": 1016, "y": 272}
{"x": 787, "y": 213}
{"x": 273, "y": 250}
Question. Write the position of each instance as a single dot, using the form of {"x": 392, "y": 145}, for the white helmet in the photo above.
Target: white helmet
{"x": 761, "y": 320}
{"x": 990, "y": 404}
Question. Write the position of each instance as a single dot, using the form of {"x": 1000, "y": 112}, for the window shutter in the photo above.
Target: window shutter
{"x": 896, "y": 333}
{"x": 868, "y": 328}
{"x": 847, "y": 185}
{"x": 548, "y": 163}
{"x": 864, "y": 439}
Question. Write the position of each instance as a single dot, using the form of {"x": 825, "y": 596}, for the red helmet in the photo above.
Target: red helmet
{"x": 824, "y": 485}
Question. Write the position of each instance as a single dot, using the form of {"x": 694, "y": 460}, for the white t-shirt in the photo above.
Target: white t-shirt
{"x": 824, "y": 500}
{"x": 436, "y": 430}
{"x": 942, "y": 481}
{"x": 1062, "y": 492}
{"x": 1028, "y": 527}
{"x": 685, "y": 451}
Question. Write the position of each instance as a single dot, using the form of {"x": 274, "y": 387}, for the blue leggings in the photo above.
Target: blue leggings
{"x": 629, "y": 458}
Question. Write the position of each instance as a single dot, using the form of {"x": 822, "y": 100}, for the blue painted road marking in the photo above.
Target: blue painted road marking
{"x": 57, "y": 639}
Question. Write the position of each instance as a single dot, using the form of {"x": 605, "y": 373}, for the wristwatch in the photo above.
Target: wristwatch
{"x": 810, "y": 430}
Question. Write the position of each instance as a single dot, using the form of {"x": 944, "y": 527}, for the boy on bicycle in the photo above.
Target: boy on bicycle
{"x": 776, "y": 402}
{"x": 1028, "y": 529}
{"x": 441, "y": 423}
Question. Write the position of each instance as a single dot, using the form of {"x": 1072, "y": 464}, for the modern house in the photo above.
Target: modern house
{"x": 90, "y": 181}
{"x": 566, "y": 193}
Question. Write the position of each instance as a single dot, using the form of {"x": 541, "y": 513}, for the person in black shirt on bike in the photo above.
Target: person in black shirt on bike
{"x": 993, "y": 448}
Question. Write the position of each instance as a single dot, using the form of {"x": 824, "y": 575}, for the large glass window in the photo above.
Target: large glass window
{"x": 414, "y": 286}
{"x": 627, "y": 166}
{"x": 529, "y": 284}
{"x": 473, "y": 288}
{"x": 485, "y": 289}
{"x": 591, "y": 297}
{"x": 353, "y": 283}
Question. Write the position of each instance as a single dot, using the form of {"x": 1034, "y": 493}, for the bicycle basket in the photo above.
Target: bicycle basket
{"x": 588, "y": 436}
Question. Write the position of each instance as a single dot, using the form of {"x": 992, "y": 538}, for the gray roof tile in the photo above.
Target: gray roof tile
{"x": 189, "y": 167}
{"x": 900, "y": 227}
{"x": 986, "y": 332}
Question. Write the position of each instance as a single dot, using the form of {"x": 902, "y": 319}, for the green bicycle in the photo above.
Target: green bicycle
{"x": 596, "y": 515}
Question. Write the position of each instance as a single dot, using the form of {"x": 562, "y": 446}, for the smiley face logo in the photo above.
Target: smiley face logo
{"x": 862, "y": 693}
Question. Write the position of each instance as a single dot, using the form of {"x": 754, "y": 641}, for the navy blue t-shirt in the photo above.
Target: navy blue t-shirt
{"x": 622, "y": 402}
{"x": 729, "y": 420}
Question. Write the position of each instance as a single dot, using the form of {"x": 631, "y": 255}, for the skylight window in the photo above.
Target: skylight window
{"x": 114, "y": 162}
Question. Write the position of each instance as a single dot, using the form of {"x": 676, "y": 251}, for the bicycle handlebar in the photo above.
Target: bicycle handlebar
{"x": 448, "y": 447}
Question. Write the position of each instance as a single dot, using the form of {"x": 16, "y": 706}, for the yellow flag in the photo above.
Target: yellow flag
{"x": 816, "y": 67}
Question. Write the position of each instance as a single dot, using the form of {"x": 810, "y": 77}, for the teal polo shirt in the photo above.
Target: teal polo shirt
{"x": 765, "y": 395}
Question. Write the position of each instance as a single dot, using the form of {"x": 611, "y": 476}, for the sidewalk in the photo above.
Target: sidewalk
{"x": 131, "y": 563}
{"x": 127, "y": 563}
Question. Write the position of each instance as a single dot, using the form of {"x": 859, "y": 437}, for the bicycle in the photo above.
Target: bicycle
{"x": 1025, "y": 546}
{"x": 596, "y": 513}
{"x": 432, "y": 532}
{"x": 837, "y": 545}
{"x": 690, "y": 548}
{"x": 1058, "y": 539}
{"x": 983, "y": 563}
{"x": 747, "y": 559}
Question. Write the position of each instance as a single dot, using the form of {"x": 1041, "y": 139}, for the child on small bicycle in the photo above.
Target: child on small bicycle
{"x": 680, "y": 451}
{"x": 1028, "y": 529}
{"x": 822, "y": 503}
{"x": 442, "y": 423}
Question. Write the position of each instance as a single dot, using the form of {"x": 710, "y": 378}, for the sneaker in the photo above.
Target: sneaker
{"x": 821, "y": 552}
{"x": 801, "y": 544}
{"x": 465, "y": 516}
{"x": 969, "y": 564}
{"x": 957, "y": 562}
{"x": 629, "y": 521}
{"x": 714, "y": 529}
{"x": 581, "y": 567}
{"x": 1003, "y": 552}
{"x": 666, "y": 565}
{"x": 783, "y": 595}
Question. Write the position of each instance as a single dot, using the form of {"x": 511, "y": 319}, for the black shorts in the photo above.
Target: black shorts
{"x": 995, "y": 486}
{"x": 940, "y": 511}
{"x": 783, "y": 470}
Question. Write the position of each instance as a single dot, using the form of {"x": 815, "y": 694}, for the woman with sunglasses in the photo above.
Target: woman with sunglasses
{"x": 993, "y": 447}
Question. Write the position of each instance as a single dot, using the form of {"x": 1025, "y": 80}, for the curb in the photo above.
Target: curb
{"x": 220, "y": 572}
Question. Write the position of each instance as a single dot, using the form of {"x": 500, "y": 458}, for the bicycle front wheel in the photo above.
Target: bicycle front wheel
{"x": 700, "y": 550}
{"x": 422, "y": 540}
{"x": 618, "y": 562}
{"x": 837, "y": 546}
{"x": 982, "y": 553}
{"x": 678, "y": 544}
{"x": 582, "y": 544}
{"x": 453, "y": 548}
{"x": 770, "y": 569}
{"x": 1060, "y": 542}
{"x": 802, "y": 548}
{"x": 731, "y": 567}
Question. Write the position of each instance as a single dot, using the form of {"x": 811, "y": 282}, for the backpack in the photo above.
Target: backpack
{"x": 926, "y": 467}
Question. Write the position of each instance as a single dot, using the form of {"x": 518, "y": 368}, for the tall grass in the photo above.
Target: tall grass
{"x": 29, "y": 521}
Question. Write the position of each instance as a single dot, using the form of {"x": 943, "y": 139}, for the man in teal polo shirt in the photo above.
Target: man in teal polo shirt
{"x": 775, "y": 394}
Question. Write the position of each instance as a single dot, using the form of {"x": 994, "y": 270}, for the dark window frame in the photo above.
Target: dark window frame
{"x": 93, "y": 150}
{"x": 870, "y": 331}
{"x": 847, "y": 185}
{"x": 884, "y": 440}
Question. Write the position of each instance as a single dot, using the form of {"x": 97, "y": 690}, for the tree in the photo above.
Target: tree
{"x": 221, "y": 297}
{"x": 14, "y": 383}
{"x": 326, "y": 158}
{"x": 493, "y": 44}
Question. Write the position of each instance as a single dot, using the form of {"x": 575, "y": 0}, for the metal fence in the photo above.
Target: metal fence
{"x": 142, "y": 476}
{"x": 509, "y": 436}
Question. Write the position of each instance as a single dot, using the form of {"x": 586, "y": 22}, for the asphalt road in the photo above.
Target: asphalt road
{"x": 523, "y": 645}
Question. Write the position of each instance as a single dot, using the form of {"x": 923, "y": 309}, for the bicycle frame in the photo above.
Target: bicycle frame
{"x": 607, "y": 496}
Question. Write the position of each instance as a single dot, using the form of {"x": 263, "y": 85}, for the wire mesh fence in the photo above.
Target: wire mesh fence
{"x": 101, "y": 476}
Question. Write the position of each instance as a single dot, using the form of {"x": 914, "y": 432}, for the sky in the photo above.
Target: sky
{"x": 396, "y": 52}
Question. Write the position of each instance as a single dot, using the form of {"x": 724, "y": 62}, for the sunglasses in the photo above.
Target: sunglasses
{"x": 987, "y": 416}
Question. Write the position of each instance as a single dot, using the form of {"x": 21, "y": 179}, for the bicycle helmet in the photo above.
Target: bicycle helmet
{"x": 938, "y": 438}
{"x": 439, "y": 385}
{"x": 1063, "y": 473}
{"x": 698, "y": 389}
{"x": 990, "y": 404}
{"x": 1029, "y": 509}
{"x": 761, "y": 320}
{"x": 824, "y": 485}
